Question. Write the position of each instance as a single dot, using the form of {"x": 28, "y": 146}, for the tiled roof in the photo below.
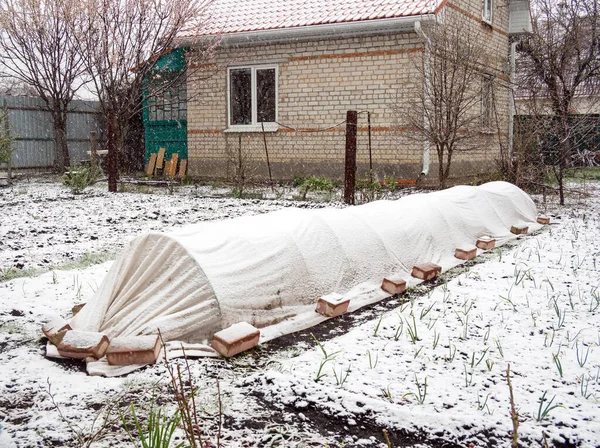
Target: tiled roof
{"x": 236, "y": 16}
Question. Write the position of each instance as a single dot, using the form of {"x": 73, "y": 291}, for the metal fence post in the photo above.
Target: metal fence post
{"x": 350, "y": 168}
{"x": 7, "y": 130}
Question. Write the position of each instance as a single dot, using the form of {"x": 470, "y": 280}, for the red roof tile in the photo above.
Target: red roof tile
{"x": 236, "y": 16}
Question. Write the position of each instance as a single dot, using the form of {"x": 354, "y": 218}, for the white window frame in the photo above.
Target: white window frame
{"x": 255, "y": 126}
{"x": 487, "y": 11}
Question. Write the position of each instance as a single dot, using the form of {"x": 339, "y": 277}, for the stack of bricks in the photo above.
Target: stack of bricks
{"x": 55, "y": 327}
{"x": 426, "y": 271}
{"x": 519, "y": 229}
{"x": 465, "y": 253}
{"x": 485, "y": 243}
{"x": 393, "y": 285}
{"x": 543, "y": 219}
{"x": 130, "y": 350}
{"x": 235, "y": 339}
{"x": 81, "y": 344}
{"x": 332, "y": 305}
{"x": 88, "y": 344}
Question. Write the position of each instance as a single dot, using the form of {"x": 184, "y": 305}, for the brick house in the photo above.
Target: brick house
{"x": 283, "y": 73}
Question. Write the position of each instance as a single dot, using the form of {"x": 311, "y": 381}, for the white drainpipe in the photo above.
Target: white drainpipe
{"x": 336, "y": 30}
{"x": 427, "y": 88}
{"x": 511, "y": 102}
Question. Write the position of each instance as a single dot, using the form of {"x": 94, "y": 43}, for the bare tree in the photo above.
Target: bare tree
{"x": 449, "y": 112}
{"x": 38, "y": 48}
{"x": 121, "y": 46}
{"x": 558, "y": 66}
{"x": 10, "y": 86}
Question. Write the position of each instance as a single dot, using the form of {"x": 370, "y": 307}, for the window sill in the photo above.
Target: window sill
{"x": 269, "y": 127}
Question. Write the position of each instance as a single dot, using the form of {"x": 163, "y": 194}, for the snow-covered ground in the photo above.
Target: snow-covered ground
{"x": 45, "y": 225}
{"x": 429, "y": 367}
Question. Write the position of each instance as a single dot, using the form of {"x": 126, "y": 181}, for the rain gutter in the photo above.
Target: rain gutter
{"x": 312, "y": 32}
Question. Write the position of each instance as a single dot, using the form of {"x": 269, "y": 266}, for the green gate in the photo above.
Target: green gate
{"x": 165, "y": 106}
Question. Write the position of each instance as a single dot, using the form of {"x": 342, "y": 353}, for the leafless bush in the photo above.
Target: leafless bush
{"x": 559, "y": 80}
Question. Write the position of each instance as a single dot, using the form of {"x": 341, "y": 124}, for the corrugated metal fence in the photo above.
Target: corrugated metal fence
{"x": 31, "y": 125}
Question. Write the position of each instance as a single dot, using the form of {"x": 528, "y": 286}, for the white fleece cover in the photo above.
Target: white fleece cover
{"x": 269, "y": 270}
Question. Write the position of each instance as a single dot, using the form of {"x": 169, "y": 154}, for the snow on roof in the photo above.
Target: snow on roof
{"x": 235, "y": 16}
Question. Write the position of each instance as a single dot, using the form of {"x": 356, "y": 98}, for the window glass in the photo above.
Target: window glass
{"x": 152, "y": 108}
{"x": 167, "y": 97}
{"x": 487, "y": 10}
{"x": 241, "y": 96}
{"x": 265, "y": 95}
{"x": 183, "y": 104}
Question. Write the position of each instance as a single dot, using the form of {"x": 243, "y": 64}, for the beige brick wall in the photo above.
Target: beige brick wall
{"x": 318, "y": 82}
{"x": 487, "y": 147}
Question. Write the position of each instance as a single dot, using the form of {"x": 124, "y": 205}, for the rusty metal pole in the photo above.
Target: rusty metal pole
{"x": 267, "y": 153}
{"x": 7, "y": 131}
{"x": 370, "y": 151}
{"x": 350, "y": 168}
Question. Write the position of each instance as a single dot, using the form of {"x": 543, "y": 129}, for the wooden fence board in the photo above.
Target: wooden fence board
{"x": 173, "y": 165}
{"x": 151, "y": 165}
{"x": 160, "y": 159}
{"x": 182, "y": 167}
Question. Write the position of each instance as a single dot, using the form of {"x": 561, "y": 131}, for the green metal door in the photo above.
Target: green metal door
{"x": 168, "y": 134}
{"x": 165, "y": 107}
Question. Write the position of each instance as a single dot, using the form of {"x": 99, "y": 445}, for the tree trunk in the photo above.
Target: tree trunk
{"x": 440, "y": 151}
{"x": 449, "y": 151}
{"x": 63, "y": 160}
{"x": 561, "y": 189}
{"x": 564, "y": 155}
{"x": 113, "y": 152}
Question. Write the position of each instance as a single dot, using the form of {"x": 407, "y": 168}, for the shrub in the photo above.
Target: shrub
{"x": 370, "y": 189}
{"x": 315, "y": 183}
{"x": 6, "y": 140}
{"x": 80, "y": 177}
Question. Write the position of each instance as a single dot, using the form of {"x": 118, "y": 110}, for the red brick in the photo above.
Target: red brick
{"x": 520, "y": 229}
{"x": 235, "y": 339}
{"x": 332, "y": 305}
{"x": 486, "y": 243}
{"x": 54, "y": 327}
{"x": 129, "y": 350}
{"x": 543, "y": 219}
{"x": 77, "y": 308}
{"x": 426, "y": 271}
{"x": 82, "y": 344}
{"x": 393, "y": 286}
{"x": 465, "y": 253}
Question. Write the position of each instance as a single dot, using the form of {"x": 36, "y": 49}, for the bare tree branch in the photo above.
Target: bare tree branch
{"x": 121, "y": 45}
{"x": 37, "y": 47}
{"x": 448, "y": 110}
{"x": 558, "y": 73}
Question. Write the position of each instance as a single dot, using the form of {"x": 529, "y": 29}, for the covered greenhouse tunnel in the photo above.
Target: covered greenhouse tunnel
{"x": 269, "y": 270}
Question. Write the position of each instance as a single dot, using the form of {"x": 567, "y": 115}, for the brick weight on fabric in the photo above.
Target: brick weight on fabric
{"x": 269, "y": 270}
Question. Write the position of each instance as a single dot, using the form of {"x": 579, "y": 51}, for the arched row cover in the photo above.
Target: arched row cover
{"x": 269, "y": 270}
